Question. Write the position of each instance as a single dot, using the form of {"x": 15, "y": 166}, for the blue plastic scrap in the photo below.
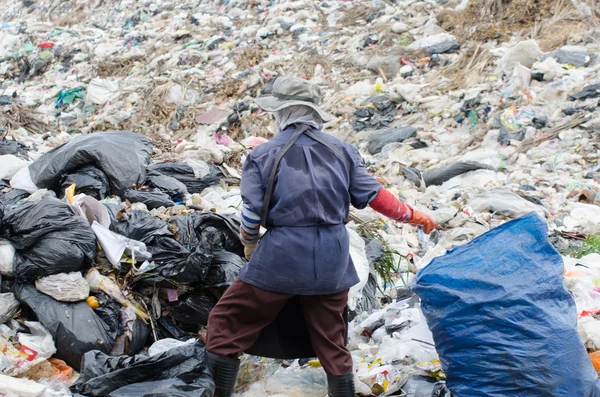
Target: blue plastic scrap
{"x": 503, "y": 322}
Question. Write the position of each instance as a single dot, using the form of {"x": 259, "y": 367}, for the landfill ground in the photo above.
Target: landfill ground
{"x": 123, "y": 129}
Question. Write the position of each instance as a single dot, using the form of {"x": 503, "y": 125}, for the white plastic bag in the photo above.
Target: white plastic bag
{"x": 8, "y": 306}
{"x": 298, "y": 382}
{"x": 114, "y": 246}
{"x": 39, "y": 340}
{"x": 163, "y": 345}
{"x": 22, "y": 180}
{"x": 10, "y": 165}
{"x": 64, "y": 287}
{"x": 7, "y": 258}
{"x": 361, "y": 264}
{"x": 101, "y": 91}
{"x": 20, "y": 387}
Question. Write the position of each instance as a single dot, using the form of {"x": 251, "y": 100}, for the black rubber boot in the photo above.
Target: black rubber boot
{"x": 224, "y": 371}
{"x": 341, "y": 386}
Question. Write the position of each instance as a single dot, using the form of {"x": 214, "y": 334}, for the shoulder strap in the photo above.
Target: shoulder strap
{"x": 271, "y": 183}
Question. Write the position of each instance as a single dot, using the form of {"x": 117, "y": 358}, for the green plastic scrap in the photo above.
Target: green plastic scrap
{"x": 59, "y": 31}
{"x": 45, "y": 55}
{"x": 473, "y": 119}
{"x": 29, "y": 47}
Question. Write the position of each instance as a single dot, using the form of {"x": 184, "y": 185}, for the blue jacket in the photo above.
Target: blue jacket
{"x": 306, "y": 250}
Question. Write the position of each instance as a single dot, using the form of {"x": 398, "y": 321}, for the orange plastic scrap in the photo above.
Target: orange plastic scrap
{"x": 595, "y": 358}
{"x": 61, "y": 369}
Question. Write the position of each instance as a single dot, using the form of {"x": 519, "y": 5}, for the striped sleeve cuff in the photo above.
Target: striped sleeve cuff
{"x": 249, "y": 231}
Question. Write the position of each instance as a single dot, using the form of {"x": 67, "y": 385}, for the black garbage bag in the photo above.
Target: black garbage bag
{"x": 591, "y": 91}
{"x": 138, "y": 225}
{"x": 422, "y": 386}
{"x": 166, "y": 328}
{"x": 185, "y": 174}
{"x": 13, "y": 147}
{"x": 13, "y": 196}
{"x": 375, "y": 252}
{"x": 122, "y": 156}
{"x": 224, "y": 269}
{"x": 203, "y": 386}
{"x": 412, "y": 174}
{"x": 88, "y": 180}
{"x": 379, "y": 139}
{"x": 75, "y": 327}
{"x": 193, "y": 308}
{"x": 110, "y": 312}
{"x": 221, "y": 232}
{"x": 49, "y": 238}
{"x": 176, "y": 263}
{"x": 102, "y": 374}
{"x": 442, "y": 48}
{"x": 151, "y": 198}
{"x": 4, "y": 183}
{"x": 139, "y": 334}
{"x": 438, "y": 176}
{"x": 167, "y": 184}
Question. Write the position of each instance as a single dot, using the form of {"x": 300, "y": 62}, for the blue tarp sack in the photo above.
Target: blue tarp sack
{"x": 503, "y": 321}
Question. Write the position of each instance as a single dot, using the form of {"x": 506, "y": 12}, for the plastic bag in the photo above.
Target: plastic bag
{"x": 49, "y": 238}
{"x": 64, "y": 287}
{"x": 298, "y": 382}
{"x": 38, "y": 340}
{"x": 74, "y": 326}
{"x": 9, "y": 165}
{"x": 164, "y": 345}
{"x": 193, "y": 308}
{"x": 20, "y": 387}
{"x": 421, "y": 386}
{"x": 185, "y": 174}
{"x": 8, "y": 307}
{"x": 501, "y": 301}
{"x": 505, "y": 202}
{"x": 167, "y": 184}
{"x": 114, "y": 246}
{"x": 203, "y": 386}
{"x": 102, "y": 374}
{"x": 379, "y": 139}
{"x": 437, "y": 176}
{"x": 122, "y": 156}
{"x": 224, "y": 269}
{"x": 88, "y": 180}
{"x": 151, "y": 198}
{"x": 7, "y": 257}
{"x": 361, "y": 264}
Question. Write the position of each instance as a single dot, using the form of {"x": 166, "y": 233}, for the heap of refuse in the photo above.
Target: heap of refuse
{"x": 124, "y": 126}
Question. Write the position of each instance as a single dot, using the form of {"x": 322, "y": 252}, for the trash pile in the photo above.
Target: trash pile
{"x": 124, "y": 126}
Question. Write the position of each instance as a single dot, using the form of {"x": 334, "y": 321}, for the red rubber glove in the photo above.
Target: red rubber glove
{"x": 420, "y": 218}
{"x": 387, "y": 204}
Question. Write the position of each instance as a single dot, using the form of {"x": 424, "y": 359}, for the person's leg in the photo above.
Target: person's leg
{"x": 234, "y": 324}
{"x": 324, "y": 315}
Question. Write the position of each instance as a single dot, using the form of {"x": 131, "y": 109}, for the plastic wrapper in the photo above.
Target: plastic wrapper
{"x": 64, "y": 287}
{"x": 74, "y": 326}
{"x": 102, "y": 375}
{"x": 421, "y": 386}
{"x": 48, "y": 237}
{"x": 492, "y": 281}
{"x": 32, "y": 349}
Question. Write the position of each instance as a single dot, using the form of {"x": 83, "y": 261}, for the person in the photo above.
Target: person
{"x": 299, "y": 186}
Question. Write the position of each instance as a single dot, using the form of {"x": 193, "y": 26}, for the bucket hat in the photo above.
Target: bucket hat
{"x": 292, "y": 91}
